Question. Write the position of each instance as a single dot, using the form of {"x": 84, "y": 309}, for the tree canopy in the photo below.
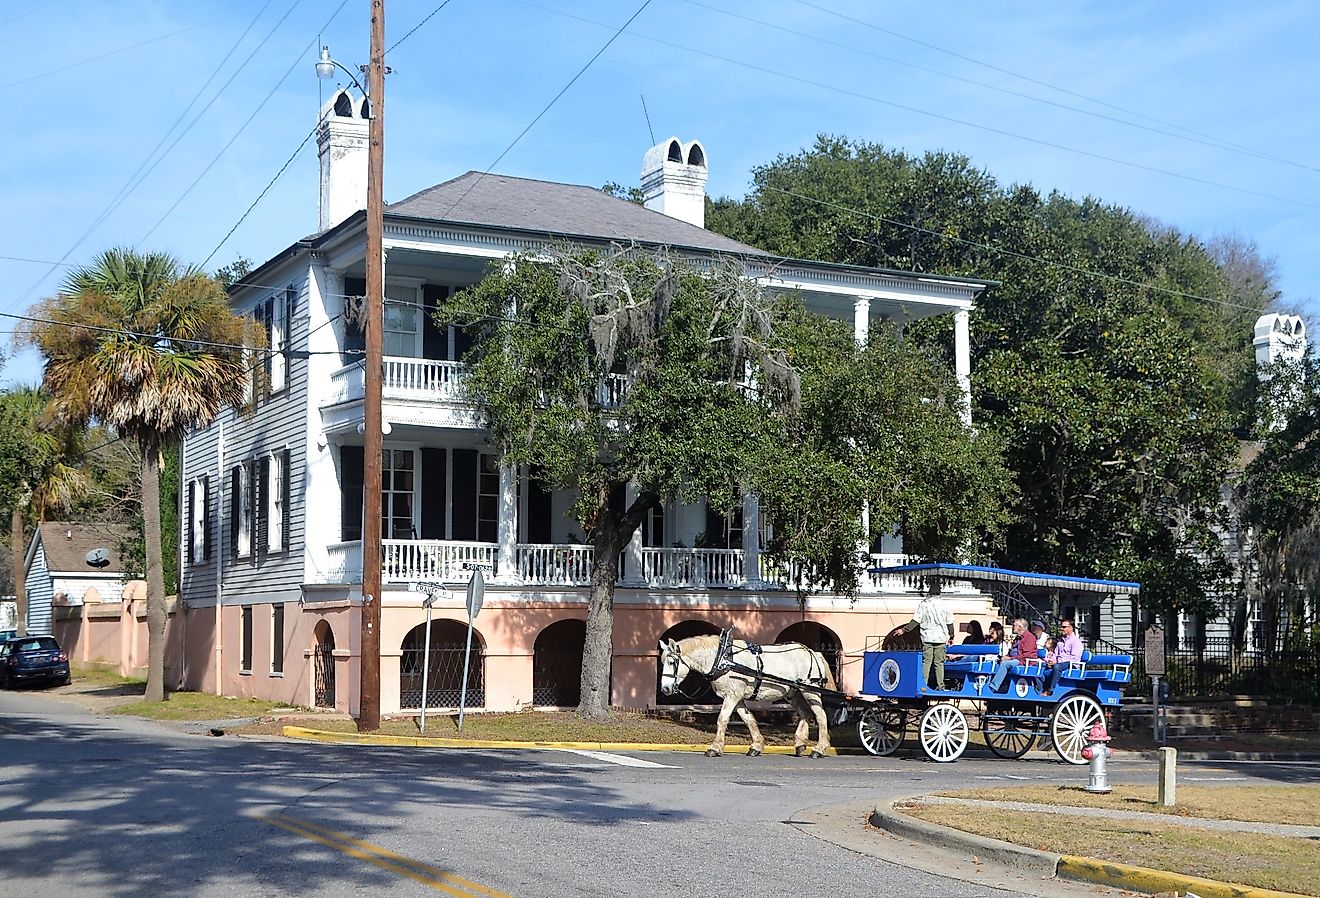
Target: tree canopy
{"x": 1112, "y": 358}
{"x": 142, "y": 345}
{"x": 633, "y": 379}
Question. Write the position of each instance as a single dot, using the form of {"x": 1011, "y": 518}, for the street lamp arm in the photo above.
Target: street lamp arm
{"x": 325, "y": 68}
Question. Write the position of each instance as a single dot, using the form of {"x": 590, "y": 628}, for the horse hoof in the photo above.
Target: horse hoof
{"x": 817, "y": 755}
{"x": 712, "y": 753}
{"x": 797, "y": 751}
{"x": 753, "y": 752}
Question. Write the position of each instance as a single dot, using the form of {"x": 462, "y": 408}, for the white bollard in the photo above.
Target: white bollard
{"x": 1168, "y": 777}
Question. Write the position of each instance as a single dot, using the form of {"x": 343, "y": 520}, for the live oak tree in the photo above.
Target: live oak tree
{"x": 149, "y": 349}
{"x": 1114, "y": 386}
{"x": 632, "y": 380}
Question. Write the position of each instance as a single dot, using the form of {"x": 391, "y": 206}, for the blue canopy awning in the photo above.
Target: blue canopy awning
{"x": 1020, "y": 578}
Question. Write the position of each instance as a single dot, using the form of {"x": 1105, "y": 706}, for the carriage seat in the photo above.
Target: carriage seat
{"x": 1113, "y": 668}
{"x": 971, "y": 659}
{"x": 1069, "y": 670}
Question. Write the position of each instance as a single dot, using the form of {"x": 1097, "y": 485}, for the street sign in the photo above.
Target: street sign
{"x": 476, "y": 593}
{"x": 1154, "y": 651}
{"x": 428, "y": 586}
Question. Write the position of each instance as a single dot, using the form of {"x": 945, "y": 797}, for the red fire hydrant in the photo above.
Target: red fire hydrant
{"x": 1097, "y": 751}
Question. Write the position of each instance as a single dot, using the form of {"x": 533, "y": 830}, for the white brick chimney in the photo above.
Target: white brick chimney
{"x": 341, "y": 146}
{"x": 674, "y": 180}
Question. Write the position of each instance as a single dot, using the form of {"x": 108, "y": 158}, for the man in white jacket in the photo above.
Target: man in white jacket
{"x": 936, "y": 623}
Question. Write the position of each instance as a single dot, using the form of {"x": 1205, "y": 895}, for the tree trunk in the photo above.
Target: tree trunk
{"x": 16, "y": 546}
{"x": 155, "y": 573}
{"x": 598, "y": 649}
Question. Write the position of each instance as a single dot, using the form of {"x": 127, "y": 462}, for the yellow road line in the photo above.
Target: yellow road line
{"x": 426, "y": 874}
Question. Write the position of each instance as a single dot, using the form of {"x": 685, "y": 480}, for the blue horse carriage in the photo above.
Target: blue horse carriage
{"x": 1010, "y": 719}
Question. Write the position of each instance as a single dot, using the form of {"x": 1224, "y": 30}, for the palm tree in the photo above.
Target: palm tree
{"x": 149, "y": 349}
{"x": 42, "y": 471}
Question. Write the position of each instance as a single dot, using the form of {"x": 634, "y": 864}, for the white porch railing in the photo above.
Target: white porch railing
{"x": 409, "y": 560}
{"x": 402, "y": 378}
{"x": 692, "y": 567}
{"x": 554, "y": 565}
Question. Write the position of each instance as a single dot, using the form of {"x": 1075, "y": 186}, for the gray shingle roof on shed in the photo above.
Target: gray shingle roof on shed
{"x": 566, "y": 209}
{"x": 67, "y": 545}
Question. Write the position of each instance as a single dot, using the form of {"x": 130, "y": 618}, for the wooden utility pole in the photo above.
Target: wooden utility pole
{"x": 369, "y": 687}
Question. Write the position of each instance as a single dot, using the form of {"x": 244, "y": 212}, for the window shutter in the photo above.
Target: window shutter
{"x": 286, "y": 514}
{"x": 435, "y": 339}
{"x": 206, "y": 517}
{"x": 268, "y": 357}
{"x": 262, "y": 509}
{"x": 350, "y": 493}
{"x": 192, "y": 521}
{"x": 235, "y": 507}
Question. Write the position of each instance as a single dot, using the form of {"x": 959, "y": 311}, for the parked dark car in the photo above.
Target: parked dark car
{"x": 32, "y": 659}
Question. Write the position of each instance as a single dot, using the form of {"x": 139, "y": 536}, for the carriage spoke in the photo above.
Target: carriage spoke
{"x": 1008, "y": 732}
{"x": 943, "y": 732}
{"x": 1072, "y": 720}
{"x": 882, "y": 729}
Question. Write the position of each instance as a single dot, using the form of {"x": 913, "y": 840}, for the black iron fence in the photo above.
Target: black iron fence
{"x": 1289, "y": 674}
{"x": 445, "y": 672}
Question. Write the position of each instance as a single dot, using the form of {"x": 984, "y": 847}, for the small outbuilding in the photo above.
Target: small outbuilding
{"x": 67, "y": 564}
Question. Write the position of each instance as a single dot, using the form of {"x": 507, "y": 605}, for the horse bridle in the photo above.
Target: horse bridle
{"x": 677, "y": 659}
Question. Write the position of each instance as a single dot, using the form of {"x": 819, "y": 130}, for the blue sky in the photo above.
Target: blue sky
{"x": 94, "y": 87}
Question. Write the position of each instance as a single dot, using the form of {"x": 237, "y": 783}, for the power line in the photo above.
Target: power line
{"x": 546, "y": 109}
{"x": 295, "y": 153}
{"x": 116, "y": 52}
{"x": 1191, "y": 137}
{"x": 936, "y": 115}
{"x": 415, "y": 27}
{"x": 1030, "y": 80}
{"x": 250, "y": 118}
{"x": 29, "y": 12}
{"x": 134, "y": 180}
{"x": 261, "y": 195}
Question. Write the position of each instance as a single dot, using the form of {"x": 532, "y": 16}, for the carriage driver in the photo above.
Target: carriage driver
{"x": 936, "y": 623}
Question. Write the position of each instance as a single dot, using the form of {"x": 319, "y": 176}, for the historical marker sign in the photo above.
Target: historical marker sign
{"x": 1154, "y": 651}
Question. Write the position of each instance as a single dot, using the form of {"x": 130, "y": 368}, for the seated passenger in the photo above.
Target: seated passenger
{"x": 975, "y": 635}
{"x": 1051, "y": 648}
{"x": 997, "y": 638}
{"x": 1024, "y": 648}
{"x": 1069, "y": 650}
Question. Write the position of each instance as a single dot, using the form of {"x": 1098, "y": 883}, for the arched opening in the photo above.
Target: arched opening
{"x": 323, "y": 660}
{"x": 695, "y": 689}
{"x": 822, "y": 639}
{"x": 444, "y": 687}
{"x": 344, "y": 105}
{"x": 366, "y": 109}
{"x": 557, "y": 664}
{"x": 696, "y": 156}
{"x": 675, "y": 151}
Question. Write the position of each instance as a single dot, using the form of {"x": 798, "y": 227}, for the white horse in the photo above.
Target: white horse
{"x": 747, "y": 673}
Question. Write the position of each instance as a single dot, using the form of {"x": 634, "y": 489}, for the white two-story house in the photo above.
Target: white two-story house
{"x": 271, "y": 579}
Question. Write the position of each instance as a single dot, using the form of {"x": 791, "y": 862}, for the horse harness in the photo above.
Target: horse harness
{"x": 724, "y": 663}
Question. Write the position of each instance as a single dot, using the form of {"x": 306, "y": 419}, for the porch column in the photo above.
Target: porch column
{"x": 861, "y": 320}
{"x": 632, "y": 555}
{"x": 861, "y": 333}
{"x": 751, "y": 542}
{"x": 962, "y": 359}
{"x": 508, "y": 522}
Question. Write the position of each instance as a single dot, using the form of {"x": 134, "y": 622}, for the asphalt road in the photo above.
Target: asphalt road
{"x": 115, "y": 807}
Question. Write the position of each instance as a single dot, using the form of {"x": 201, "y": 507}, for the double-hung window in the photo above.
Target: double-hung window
{"x": 240, "y": 509}
{"x": 276, "y": 492}
{"x": 402, "y": 333}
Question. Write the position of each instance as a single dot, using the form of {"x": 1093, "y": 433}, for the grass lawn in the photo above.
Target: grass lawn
{"x": 1285, "y": 863}
{"x": 198, "y": 706}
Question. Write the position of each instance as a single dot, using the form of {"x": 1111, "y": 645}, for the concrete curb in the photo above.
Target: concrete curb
{"x": 1144, "y": 879}
{"x": 1004, "y": 853}
{"x": 1072, "y": 867}
{"x": 294, "y": 732}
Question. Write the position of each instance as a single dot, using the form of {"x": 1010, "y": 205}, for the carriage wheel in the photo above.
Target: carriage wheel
{"x": 882, "y": 729}
{"x": 1008, "y": 733}
{"x": 1071, "y": 722}
{"x": 943, "y": 732}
